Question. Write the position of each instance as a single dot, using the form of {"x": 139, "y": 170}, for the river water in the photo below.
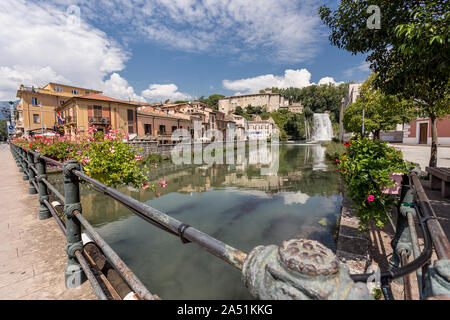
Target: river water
{"x": 235, "y": 204}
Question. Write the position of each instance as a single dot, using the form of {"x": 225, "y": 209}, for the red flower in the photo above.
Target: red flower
{"x": 347, "y": 144}
{"x": 370, "y": 198}
{"x": 338, "y": 170}
{"x": 158, "y": 194}
{"x": 338, "y": 161}
{"x": 145, "y": 186}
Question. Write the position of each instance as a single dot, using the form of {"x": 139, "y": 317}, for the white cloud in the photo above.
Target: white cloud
{"x": 328, "y": 80}
{"x": 292, "y": 78}
{"x": 118, "y": 87}
{"x": 38, "y": 46}
{"x": 295, "y": 197}
{"x": 278, "y": 30}
{"x": 162, "y": 92}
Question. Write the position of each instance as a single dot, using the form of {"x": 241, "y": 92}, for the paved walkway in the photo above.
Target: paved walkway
{"x": 421, "y": 154}
{"x": 32, "y": 251}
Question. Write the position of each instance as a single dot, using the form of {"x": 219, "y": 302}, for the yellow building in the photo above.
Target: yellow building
{"x": 96, "y": 109}
{"x": 37, "y": 106}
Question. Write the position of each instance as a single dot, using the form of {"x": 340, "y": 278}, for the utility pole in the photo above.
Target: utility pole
{"x": 42, "y": 120}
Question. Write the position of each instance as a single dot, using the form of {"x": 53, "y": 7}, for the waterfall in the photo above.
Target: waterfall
{"x": 322, "y": 131}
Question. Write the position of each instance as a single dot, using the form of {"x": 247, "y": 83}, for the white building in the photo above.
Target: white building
{"x": 261, "y": 129}
{"x": 270, "y": 101}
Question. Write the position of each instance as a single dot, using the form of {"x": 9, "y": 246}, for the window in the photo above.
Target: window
{"x": 148, "y": 128}
{"x": 75, "y": 91}
{"x": 87, "y": 92}
{"x": 174, "y": 128}
{"x": 34, "y": 101}
{"x": 130, "y": 117}
{"x": 162, "y": 128}
{"x": 36, "y": 118}
{"x": 62, "y": 102}
{"x": 97, "y": 112}
{"x": 57, "y": 89}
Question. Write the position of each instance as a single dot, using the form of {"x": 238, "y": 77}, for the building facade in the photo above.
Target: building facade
{"x": 419, "y": 131}
{"x": 350, "y": 97}
{"x": 270, "y": 101}
{"x": 79, "y": 113}
{"x": 295, "y": 107}
{"x": 37, "y": 106}
{"x": 261, "y": 129}
{"x": 159, "y": 126}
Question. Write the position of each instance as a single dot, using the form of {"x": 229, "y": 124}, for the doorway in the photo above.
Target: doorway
{"x": 423, "y": 133}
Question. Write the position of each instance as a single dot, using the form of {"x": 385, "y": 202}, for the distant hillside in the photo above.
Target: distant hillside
{"x": 5, "y": 104}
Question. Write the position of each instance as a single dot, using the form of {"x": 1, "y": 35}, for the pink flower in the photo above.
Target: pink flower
{"x": 162, "y": 183}
{"x": 370, "y": 198}
{"x": 85, "y": 160}
{"x": 145, "y": 186}
{"x": 138, "y": 158}
{"x": 158, "y": 194}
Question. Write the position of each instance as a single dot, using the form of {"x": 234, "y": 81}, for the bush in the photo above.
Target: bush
{"x": 333, "y": 149}
{"x": 365, "y": 168}
{"x": 104, "y": 157}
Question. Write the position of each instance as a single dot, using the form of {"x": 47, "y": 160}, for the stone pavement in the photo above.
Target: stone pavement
{"x": 420, "y": 154}
{"x": 32, "y": 251}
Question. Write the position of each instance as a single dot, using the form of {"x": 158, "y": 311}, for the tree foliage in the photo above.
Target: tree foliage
{"x": 317, "y": 98}
{"x": 381, "y": 111}
{"x": 212, "y": 101}
{"x": 409, "y": 53}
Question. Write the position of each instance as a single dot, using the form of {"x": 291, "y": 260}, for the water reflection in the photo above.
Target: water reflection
{"x": 233, "y": 203}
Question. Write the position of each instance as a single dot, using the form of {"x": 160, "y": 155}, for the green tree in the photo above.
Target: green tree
{"x": 409, "y": 52}
{"x": 212, "y": 101}
{"x": 317, "y": 98}
{"x": 238, "y": 111}
{"x": 381, "y": 111}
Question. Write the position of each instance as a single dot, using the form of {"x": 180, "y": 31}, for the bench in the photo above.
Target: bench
{"x": 440, "y": 179}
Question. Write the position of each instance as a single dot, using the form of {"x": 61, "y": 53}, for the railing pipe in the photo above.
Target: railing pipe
{"x": 218, "y": 248}
{"x": 406, "y": 277}
{"x": 440, "y": 241}
{"x": 415, "y": 248}
{"x": 54, "y": 190}
{"x": 54, "y": 162}
{"x": 132, "y": 280}
{"x": 87, "y": 271}
{"x": 55, "y": 215}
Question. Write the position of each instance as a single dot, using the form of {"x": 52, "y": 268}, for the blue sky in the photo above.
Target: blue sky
{"x": 179, "y": 49}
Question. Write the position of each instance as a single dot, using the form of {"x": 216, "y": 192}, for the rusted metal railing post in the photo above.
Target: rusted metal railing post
{"x": 31, "y": 173}
{"x": 24, "y": 164}
{"x": 300, "y": 269}
{"x": 44, "y": 212}
{"x": 74, "y": 274}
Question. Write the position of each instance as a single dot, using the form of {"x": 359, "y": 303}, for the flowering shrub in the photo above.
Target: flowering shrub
{"x": 104, "y": 157}
{"x": 365, "y": 168}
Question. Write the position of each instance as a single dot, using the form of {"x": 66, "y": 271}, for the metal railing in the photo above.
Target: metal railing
{"x": 256, "y": 265}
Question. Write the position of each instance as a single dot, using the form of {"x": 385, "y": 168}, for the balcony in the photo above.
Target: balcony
{"x": 102, "y": 120}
